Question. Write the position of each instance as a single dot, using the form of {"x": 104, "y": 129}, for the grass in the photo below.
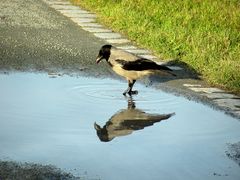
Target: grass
{"x": 205, "y": 34}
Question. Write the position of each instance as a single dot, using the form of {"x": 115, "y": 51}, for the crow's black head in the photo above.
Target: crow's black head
{"x": 102, "y": 133}
{"x": 104, "y": 53}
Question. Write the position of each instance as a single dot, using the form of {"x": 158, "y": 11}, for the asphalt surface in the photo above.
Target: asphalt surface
{"x": 35, "y": 37}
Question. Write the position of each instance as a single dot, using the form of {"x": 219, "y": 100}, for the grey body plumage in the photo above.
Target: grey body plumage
{"x": 130, "y": 66}
{"x": 128, "y": 120}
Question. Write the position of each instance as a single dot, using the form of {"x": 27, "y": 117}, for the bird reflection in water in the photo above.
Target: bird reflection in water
{"x": 125, "y": 121}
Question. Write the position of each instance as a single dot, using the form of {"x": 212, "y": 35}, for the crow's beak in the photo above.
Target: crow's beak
{"x": 99, "y": 58}
{"x": 97, "y": 127}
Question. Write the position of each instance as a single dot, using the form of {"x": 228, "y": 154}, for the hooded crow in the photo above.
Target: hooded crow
{"x": 130, "y": 66}
{"x": 126, "y": 121}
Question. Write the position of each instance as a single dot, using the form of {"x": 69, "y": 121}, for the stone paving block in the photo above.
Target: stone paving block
{"x": 137, "y": 51}
{"x": 92, "y": 29}
{"x": 176, "y": 68}
{"x": 220, "y": 96}
{"x": 73, "y": 11}
{"x": 207, "y": 90}
{"x": 161, "y": 63}
{"x": 237, "y": 113}
{"x": 64, "y": 7}
{"x": 117, "y": 41}
{"x": 83, "y": 20}
{"x": 127, "y": 47}
{"x": 192, "y": 85}
{"x": 233, "y": 104}
{"x": 90, "y": 25}
{"x": 79, "y": 15}
{"x": 108, "y": 35}
{"x": 148, "y": 56}
{"x": 58, "y": 2}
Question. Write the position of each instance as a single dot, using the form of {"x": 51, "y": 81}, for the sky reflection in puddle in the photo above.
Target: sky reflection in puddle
{"x": 51, "y": 121}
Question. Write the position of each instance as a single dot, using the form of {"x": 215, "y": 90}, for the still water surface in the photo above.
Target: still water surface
{"x": 154, "y": 135}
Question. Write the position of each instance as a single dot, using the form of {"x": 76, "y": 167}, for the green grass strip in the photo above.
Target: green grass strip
{"x": 205, "y": 34}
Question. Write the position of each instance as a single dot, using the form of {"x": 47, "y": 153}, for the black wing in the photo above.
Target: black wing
{"x": 141, "y": 65}
{"x": 141, "y": 123}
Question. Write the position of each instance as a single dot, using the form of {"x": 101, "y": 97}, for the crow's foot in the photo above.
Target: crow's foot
{"x": 130, "y": 93}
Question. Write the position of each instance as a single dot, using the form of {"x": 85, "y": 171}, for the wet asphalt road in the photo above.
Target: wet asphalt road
{"x": 35, "y": 37}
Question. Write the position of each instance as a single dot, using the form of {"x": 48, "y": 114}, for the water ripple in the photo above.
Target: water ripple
{"x": 109, "y": 90}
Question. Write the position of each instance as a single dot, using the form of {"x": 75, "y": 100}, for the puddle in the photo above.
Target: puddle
{"x": 87, "y": 127}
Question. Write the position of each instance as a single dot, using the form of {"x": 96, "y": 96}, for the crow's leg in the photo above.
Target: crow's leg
{"x": 131, "y": 103}
{"x": 129, "y": 89}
